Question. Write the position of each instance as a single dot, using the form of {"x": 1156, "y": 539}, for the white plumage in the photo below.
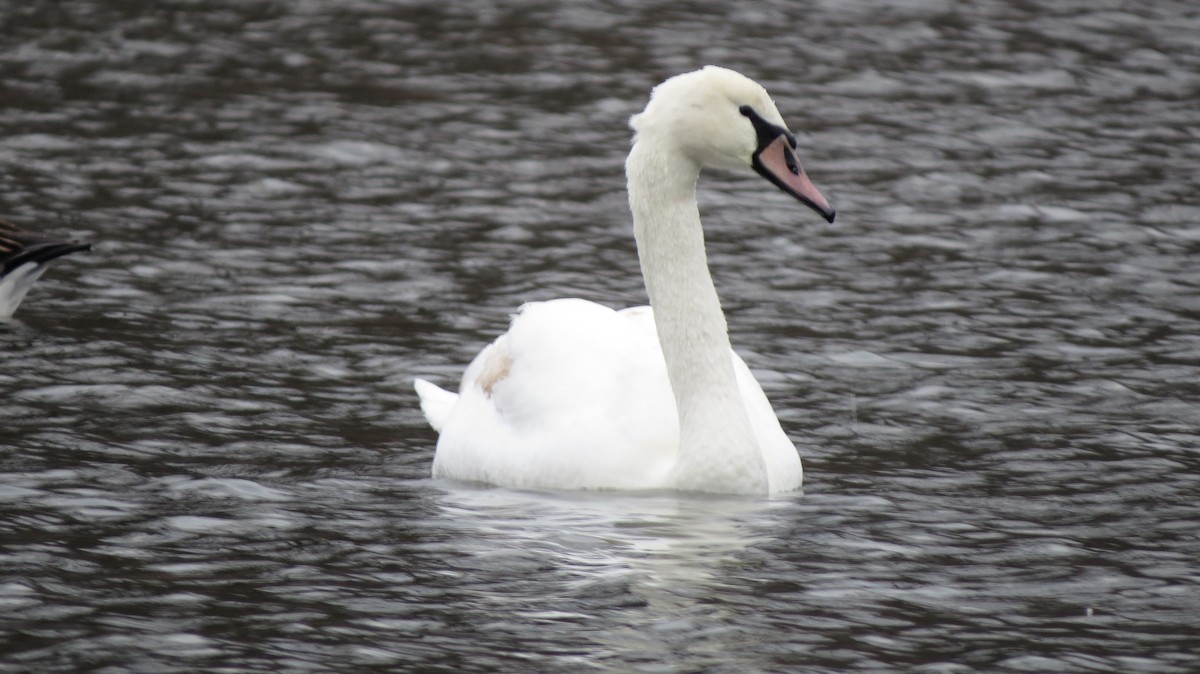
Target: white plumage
{"x": 578, "y": 396}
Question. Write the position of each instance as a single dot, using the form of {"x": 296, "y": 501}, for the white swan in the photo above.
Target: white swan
{"x": 23, "y": 259}
{"x": 578, "y": 396}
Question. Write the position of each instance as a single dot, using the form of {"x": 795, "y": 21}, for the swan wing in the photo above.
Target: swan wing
{"x": 573, "y": 396}
{"x": 784, "y": 471}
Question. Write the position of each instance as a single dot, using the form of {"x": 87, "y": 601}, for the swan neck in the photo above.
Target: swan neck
{"x": 718, "y": 451}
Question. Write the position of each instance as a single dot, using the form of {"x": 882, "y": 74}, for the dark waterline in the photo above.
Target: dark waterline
{"x": 213, "y": 461}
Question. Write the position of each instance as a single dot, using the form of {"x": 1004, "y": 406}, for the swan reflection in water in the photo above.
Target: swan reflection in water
{"x": 663, "y": 560}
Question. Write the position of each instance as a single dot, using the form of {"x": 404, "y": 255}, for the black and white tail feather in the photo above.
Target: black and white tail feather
{"x": 24, "y": 257}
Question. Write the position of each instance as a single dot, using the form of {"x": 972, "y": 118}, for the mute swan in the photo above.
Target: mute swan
{"x": 578, "y": 396}
{"x": 23, "y": 259}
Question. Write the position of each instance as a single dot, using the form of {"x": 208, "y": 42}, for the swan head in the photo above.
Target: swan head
{"x": 720, "y": 118}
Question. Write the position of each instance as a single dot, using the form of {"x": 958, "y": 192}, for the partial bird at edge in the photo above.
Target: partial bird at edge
{"x": 24, "y": 257}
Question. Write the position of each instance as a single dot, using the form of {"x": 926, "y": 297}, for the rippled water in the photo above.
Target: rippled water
{"x": 213, "y": 460}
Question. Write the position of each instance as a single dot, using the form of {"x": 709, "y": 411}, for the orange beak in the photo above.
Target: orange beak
{"x": 776, "y": 161}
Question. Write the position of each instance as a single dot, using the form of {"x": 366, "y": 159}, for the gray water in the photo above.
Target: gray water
{"x": 213, "y": 460}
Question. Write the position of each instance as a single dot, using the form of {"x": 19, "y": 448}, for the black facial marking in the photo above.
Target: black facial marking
{"x": 766, "y": 131}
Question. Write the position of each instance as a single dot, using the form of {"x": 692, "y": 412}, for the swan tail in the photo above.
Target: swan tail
{"x": 436, "y": 403}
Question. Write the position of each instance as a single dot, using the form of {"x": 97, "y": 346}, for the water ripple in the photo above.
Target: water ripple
{"x": 212, "y": 459}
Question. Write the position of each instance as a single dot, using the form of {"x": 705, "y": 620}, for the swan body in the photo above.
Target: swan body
{"x": 578, "y": 396}
{"x": 24, "y": 257}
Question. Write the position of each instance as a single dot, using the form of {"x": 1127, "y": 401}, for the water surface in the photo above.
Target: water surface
{"x": 213, "y": 460}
